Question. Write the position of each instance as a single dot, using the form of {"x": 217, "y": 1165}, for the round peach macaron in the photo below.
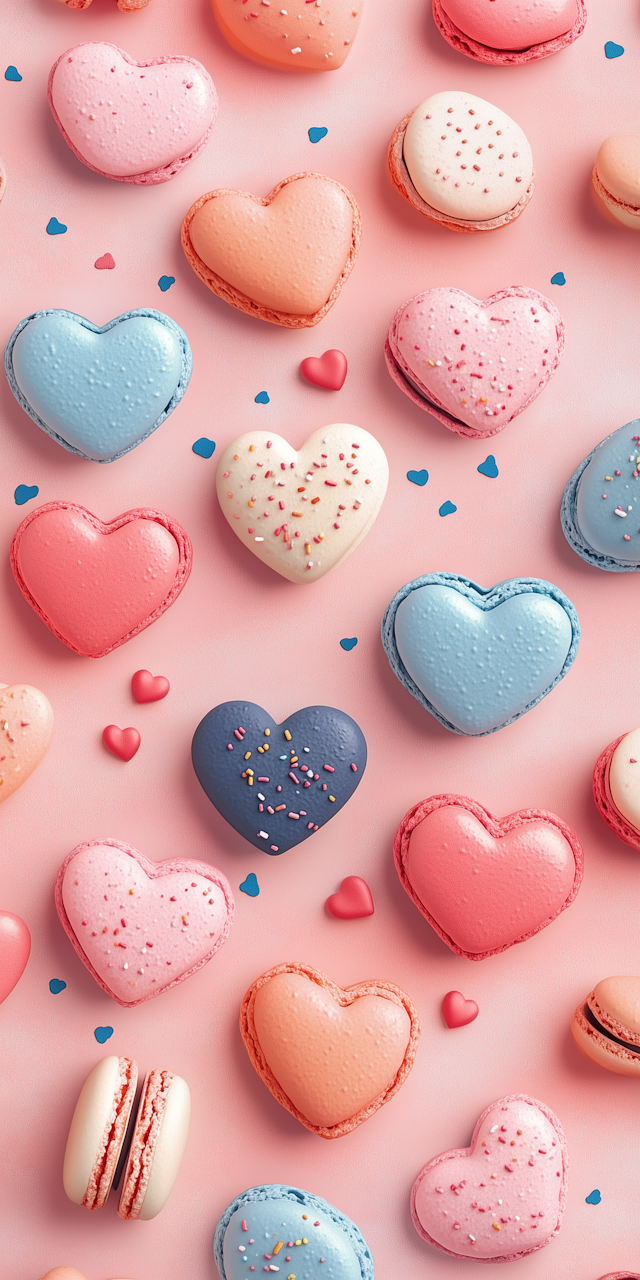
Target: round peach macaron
{"x": 509, "y": 34}
{"x": 606, "y": 1026}
{"x": 616, "y": 177}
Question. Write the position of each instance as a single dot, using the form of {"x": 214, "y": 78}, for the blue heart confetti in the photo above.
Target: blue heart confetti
{"x": 316, "y": 135}
{"x": 349, "y": 643}
{"x": 250, "y": 885}
{"x": 594, "y": 1197}
{"x": 24, "y": 492}
{"x": 204, "y": 447}
{"x": 56, "y": 985}
{"x": 12, "y": 73}
{"x": 613, "y": 50}
{"x": 262, "y": 397}
{"x": 447, "y": 509}
{"x": 418, "y": 477}
{"x": 559, "y": 278}
{"x": 55, "y": 228}
{"x": 488, "y": 468}
{"x": 165, "y": 282}
{"x": 102, "y": 1034}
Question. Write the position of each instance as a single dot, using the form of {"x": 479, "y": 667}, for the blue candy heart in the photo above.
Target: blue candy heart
{"x": 601, "y": 504}
{"x": 594, "y": 1197}
{"x": 250, "y": 885}
{"x": 559, "y": 278}
{"x": 165, "y": 282}
{"x": 24, "y": 492}
{"x": 478, "y": 658}
{"x": 12, "y": 73}
{"x": 102, "y": 1034}
{"x": 317, "y": 134}
{"x": 349, "y": 643}
{"x": 613, "y": 50}
{"x": 98, "y": 391}
{"x": 447, "y": 509}
{"x": 53, "y": 227}
{"x": 488, "y": 467}
{"x": 56, "y": 985}
{"x": 262, "y": 397}
{"x": 418, "y": 477}
{"x": 278, "y": 783}
{"x": 204, "y": 447}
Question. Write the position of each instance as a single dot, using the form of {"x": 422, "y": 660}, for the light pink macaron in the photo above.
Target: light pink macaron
{"x": 606, "y": 1026}
{"x": 616, "y": 177}
{"x": 509, "y": 34}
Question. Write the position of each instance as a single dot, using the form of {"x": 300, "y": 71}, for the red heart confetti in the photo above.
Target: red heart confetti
{"x": 106, "y": 263}
{"x": 328, "y": 371}
{"x": 148, "y": 688}
{"x": 457, "y": 1011}
{"x": 352, "y": 901}
{"x": 122, "y": 743}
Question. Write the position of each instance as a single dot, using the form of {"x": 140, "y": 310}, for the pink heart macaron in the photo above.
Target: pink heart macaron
{"x": 285, "y": 38}
{"x": 509, "y": 34}
{"x": 462, "y": 162}
{"x": 283, "y": 257}
{"x": 616, "y": 178}
{"x": 616, "y": 787}
{"x": 96, "y": 584}
{"x": 474, "y": 365}
{"x": 486, "y": 883}
{"x": 26, "y": 730}
{"x": 15, "y": 949}
{"x": 503, "y": 1196}
{"x": 141, "y": 927}
{"x": 606, "y": 1025}
{"x": 138, "y": 122}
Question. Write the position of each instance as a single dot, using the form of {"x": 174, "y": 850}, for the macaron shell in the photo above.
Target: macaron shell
{"x": 481, "y": 51}
{"x": 98, "y": 1130}
{"x": 618, "y": 168}
{"x": 64, "y": 1273}
{"x": 624, "y": 778}
{"x": 616, "y": 1004}
{"x": 15, "y": 949}
{"x": 311, "y": 41}
{"x": 600, "y": 511}
{"x": 157, "y": 1145}
{"x": 604, "y": 800}
{"x": 604, "y": 1052}
{"x": 627, "y": 214}
{"x": 26, "y": 730}
{"x": 516, "y": 26}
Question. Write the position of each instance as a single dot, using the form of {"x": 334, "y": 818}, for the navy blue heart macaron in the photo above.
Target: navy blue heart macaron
{"x": 277, "y": 784}
{"x": 601, "y": 504}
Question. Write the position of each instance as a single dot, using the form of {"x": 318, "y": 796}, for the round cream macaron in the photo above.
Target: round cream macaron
{"x": 616, "y": 177}
{"x": 606, "y": 1026}
{"x": 157, "y": 1145}
{"x": 98, "y": 1130}
{"x": 462, "y": 162}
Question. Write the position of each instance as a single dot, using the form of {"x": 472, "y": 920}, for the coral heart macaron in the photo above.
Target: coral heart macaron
{"x": 503, "y": 1196}
{"x": 156, "y": 924}
{"x": 26, "y": 730}
{"x": 606, "y": 1026}
{"x": 282, "y": 257}
{"x": 98, "y": 391}
{"x": 600, "y": 511}
{"x": 486, "y": 883}
{"x": 616, "y": 787}
{"x": 302, "y": 512}
{"x": 138, "y": 122}
{"x": 616, "y": 177}
{"x": 95, "y": 585}
{"x": 296, "y": 41}
{"x": 474, "y": 365}
{"x": 15, "y": 948}
{"x": 462, "y": 162}
{"x": 332, "y": 1056}
{"x": 512, "y": 34}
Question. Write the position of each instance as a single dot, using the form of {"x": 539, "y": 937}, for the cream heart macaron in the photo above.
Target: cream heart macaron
{"x": 462, "y": 162}
{"x": 616, "y": 787}
{"x": 616, "y": 177}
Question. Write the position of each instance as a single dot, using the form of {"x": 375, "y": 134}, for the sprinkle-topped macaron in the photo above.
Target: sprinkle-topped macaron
{"x": 509, "y": 34}
{"x": 317, "y": 39}
{"x": 601, "y": 503}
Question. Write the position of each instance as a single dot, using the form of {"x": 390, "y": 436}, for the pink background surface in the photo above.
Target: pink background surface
{"x": 238, "y": 631}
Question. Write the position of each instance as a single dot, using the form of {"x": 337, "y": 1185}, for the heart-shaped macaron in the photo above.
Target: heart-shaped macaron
{"x": 282, "y": 257}
{"x": 96, "y": 585}
{"x": 297, "y": 41}
{"x": 601, "y": 505}
{"x": 485, "y": 883}
{"x": 98, "y": 391}
{"x": 616, "y": 787}
{"x": 328, "y": 371}
{"x": 331, "y": 1055}
{"x": 156, "y": 924}
{"x": 138, "y": 122}
{"x": 503, "y": 1196}
{"x": 457, "y": 1011}
{"x": 478, "y": 658}
{"x": 353, "y": 900}
{"x": 148, "y": 688}
{"x": 474, "y": 365}
{"x": 315, "y": 758}
{"x": 509, "y": 35}
{"x": 15, "y": 946}
{"x": 294, "y": 522}
{"x": 26, "y": 730}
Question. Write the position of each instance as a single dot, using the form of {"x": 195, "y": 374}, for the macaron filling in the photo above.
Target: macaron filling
{"x": 597, "y": 1026}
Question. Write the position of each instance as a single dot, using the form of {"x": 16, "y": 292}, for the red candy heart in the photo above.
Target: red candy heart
{"x": 352, "y": 901}
{"x": 148, "y": 688}
{"x": 106, "y": 263}
{"x": 457, "y": 1011}
{"x": 328, "y": 371}
{"x": 15, "y": 945}
{"x": 123, "y": 743}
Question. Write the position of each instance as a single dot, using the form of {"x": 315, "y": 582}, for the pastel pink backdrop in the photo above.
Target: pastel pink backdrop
{"x": 238, "y": 631}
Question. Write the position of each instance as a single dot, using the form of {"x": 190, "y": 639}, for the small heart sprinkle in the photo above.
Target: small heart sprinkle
{"x": 55, "y": 228}
{"x": 203, "y": 447}
{"x": 457, "y": 1011}
{"x": 262, "y": 397}
{"x": 447, "y": 509}
{"x": 418, "y": 477}
{"x": 353, "y": 901}
{"x": 56, "y": 985}
{"x": 488, "y": 467}
{"x": 317, "y": 134}
{"x": 106, "y": 263}
{"x": 559, "y": 278}
{"x": 328, "y": 370}
{"x": 122, "y": 743}
{"x": 165, "y": 282}
{"x": 24, "y": 492}
{"x": 594, "y": 1197}
{"x": 250, "y": 886}
{"x": 148, "y": 688}
{"x": 102, "y": 1034}
{"x": 349, "y": 643}
{"x": 12, "y": 73}
{"x": 613, "y": 50}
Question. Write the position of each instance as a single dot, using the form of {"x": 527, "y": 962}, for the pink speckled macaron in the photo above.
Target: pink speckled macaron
{"x": 509, "y": 34}
{"x": 616, "y": 787}
{"x": 616, "y": 177}
{"x": 462, "y": 162}
{"x": 606, "y": 1026}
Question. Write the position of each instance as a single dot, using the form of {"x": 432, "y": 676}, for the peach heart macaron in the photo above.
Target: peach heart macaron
{"x": 26, "y": 730}
{"x": 318, "y": 39}
{"x": 302, "y": 512}
{"x": 474, "y": 365}
{"x": 509, "y": 34}
{"x": 616, "y": 177}
{"x": 462, "y": 162}
{"x": 138, "y": 122}
{"x": 156, "y": 925}
{"x": 97, "y": 584}
{"x": 332, "y": 1056}
{"x": 503, "y": 1196}
{"x": 486, "y": 883}
{"x": 283, "y": 257}
{"x": 616, "y": 787}
{"x": 606, "y": 1026}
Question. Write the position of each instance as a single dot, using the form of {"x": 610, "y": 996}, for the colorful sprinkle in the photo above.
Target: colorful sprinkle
{"x": 594, "y": 1197}
{"x": 102, "y": 1034}
{"x": 204, "y": 447}
{"x": 12, "y": 73}
{"x": 56, "y": 985}
{"x": 251, "y": 887}
{"x": 418, "y": 477}
{"x": 559, "y": 278}
{"x": 165, "y": 282}
{"x": 24, "y": 492}
{"x": 611, "y": 50}
{"x": 106, "y": 263}
{"x": 349, "y": 643}
{"x": 488, "y": 468}
{"x": 316, "y": 134}
{"x": 54, "y": 228}
{"x": 262, "y": 397}
{"x": 447, "y": 509}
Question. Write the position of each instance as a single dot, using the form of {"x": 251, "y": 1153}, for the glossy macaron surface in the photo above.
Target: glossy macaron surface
{"x": 517, "y": 25}
{"x": 318, "y": 39}
{"x": 157, "y": 1145}
{"x": 601, "y": 503}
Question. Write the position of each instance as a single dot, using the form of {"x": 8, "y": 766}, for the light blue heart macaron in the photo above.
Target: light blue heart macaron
{"x": 601, "y": 504}
{"x": 479, "y": 658}
{"x": 279, "y": 1228}
{"x": 98, "y": 391}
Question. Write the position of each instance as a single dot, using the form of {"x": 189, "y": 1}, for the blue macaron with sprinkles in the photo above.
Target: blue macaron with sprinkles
{"x": 600, "y": 512}
{"x": 277, "y": 1228}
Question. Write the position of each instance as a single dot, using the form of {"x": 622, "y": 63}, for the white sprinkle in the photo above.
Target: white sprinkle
{"x": 264, "y": 834}
{"x": 125, "y": 966}
{"x": 620, "y": 512}
{"x": 298, "y": 50}
{"x": 260, "y": 796}
{"x": 494, "y": 1129}
{"x": 140, "y": 970}
{"x": 258, "y": 539}
{"x": 472, "y": 1237}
